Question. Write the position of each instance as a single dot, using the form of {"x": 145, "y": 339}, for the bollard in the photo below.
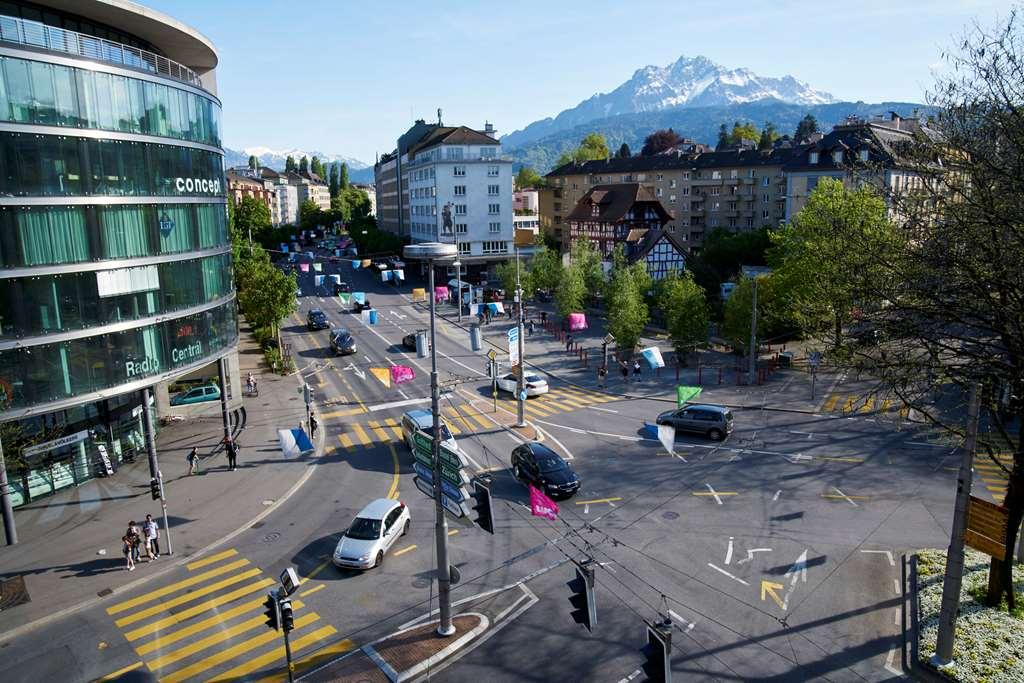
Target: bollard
{"x": 699, "y": 373}
{"x": 719, "y": 374}
{"x": 677, "y": 372}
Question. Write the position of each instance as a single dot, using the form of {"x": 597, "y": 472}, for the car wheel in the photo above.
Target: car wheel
{"x": 380, "y": 558}
{"x": 715, "y": 434}
{"x": 405, "y": 529}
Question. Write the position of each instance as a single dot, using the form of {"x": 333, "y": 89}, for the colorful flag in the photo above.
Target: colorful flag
{"x": 399, "y": 274}
{"x": 652, "y": 354}
{"x": 385, "y": 275}
{"x": 284, "y": 247}
{"x": 304, "y": 267}
{"x": 667, "y": 437}
{"x": 541, "y": 505}
{"x": 359, "y": 297}
{"x": 356, "y": 264}
{"x": 440, "y": 293}
{"x": 318, "y": 280}
{"x": 419, "y": 294}
{"x": 345, "y": 298}
{"x": 382, "y": 374}
{"x": 318, "y": 267}
{"x": 367, "y": 263}
{"x": 400, "y": 374}
{"x": 684, "y": 394}
{"x": 577, "y": 321}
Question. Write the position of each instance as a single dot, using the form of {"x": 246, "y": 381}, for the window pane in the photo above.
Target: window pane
{"x": 212, "y": 225}
{"x": 19, "y": 89}
{"x": 53, "y": 235}
{"x": 125, "y": 231}
{"x": 182, "y": 236}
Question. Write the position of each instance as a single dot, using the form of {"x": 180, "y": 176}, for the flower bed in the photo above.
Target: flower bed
{"x": 989, "y": 644}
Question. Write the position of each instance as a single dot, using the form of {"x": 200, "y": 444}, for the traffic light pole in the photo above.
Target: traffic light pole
{"x": 154, "y": 468}
{"x": 288, "y": 656}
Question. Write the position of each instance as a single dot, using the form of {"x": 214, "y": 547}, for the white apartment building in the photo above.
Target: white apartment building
{"x": 286, "y": 203}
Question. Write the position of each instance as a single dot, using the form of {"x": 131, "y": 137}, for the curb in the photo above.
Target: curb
{"x": 917, "y": 669}
{"x": 455, "y": 645}
{"x": 92, "y": 602}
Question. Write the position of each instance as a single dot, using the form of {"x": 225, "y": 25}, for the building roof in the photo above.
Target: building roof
{"x": 615, "y": 201}
{"x": 240, "y": 177}
{"x": 685, "y": 162}
{"x": 651, "y": 240}
{"x": 885, "y": 140}
{"x": 451, "y": 135}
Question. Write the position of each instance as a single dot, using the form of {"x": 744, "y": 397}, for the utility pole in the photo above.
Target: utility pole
{"x": 154, "y": 467}
{"x": 955, "y": 555}
{"x": 458, "y": 283}
{"x": 10, "y": 530}
{"x": 520, "y": 390}
{"x": 752, "y": 377}
{"x": 223, "y": 377}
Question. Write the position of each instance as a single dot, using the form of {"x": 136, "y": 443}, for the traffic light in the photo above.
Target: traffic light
{"x": 154, "y": 488}
{"x": 307, "y": 393}
{"x": 272, "y": 611}
{"x": 582, "y": 598}
{"x": 287, "y": 618}
{"x": 656, "y": 652}
{"x": 482, "y": 507}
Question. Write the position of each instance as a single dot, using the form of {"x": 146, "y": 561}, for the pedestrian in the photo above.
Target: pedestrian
{"x": 312, "y": 425}
{"x": 636, "y": 369}
{"x": 529, "y": 329}
{"x": 508, "y": 312}
{"x": 232, "y": 451}
{"x": 624, "y": 369}
{"x": 602, "y": 374}
{"x": 126, "y": 548}
{"x": 193, "y": 460}
{"x": 543, "y": 317}
{"x": 568, "y": 342}
{"x": 152, "y": 531}
{"x": 135, "y": 538}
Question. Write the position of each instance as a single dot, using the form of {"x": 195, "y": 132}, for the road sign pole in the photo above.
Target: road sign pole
{"x": 955, "y": 555}
{"x": 753, "y": 338}
{"x": 154, "y": 467}
{"x": 288, "y": 656}
{"x": 520, "y": 394}
{"x": 494, "y": 382}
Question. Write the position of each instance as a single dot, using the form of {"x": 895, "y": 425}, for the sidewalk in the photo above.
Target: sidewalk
{"x": 70, "y": 555}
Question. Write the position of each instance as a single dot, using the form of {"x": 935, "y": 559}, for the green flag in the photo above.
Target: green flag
{"x": 345, "y": 298}
{"x": 684, "y": 394}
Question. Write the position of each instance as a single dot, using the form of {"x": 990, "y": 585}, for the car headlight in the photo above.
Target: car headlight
{"x": 364, "y": 558}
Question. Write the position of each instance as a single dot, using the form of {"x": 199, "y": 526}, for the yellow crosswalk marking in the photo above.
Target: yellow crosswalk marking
{"x": 886, "y": 405}
{"x": 397, "y": 431}
{"x": 212, "y": 559}
{"x": 830, "y": 404}
{"x": 321, "y": 656}
{"x": 230, "y": 653}
{"x": 346, "y": 441}
{"x": 572, "y": 398}
{"x": 210, "y": 640}
{"x": 848, "y": 406}
{"x": 904, "y": 411}
{"x": 378, "y": 430}
{"x": 481, "y": 420}
{"x": 452, "y": 428}
{"x": 361, "y": 434}
{"x": 116, "y": 674}
{"x": 178, "y": 617}
{"x": 166, "y": 590}
{"x": 869, "y": 403}
{"x": 454, "y": 415}
{"x": 187, "y": 597}
{"x": 277, "y": 654}
{"x": 531, "y": 408}
{"x": 219, "y": 618}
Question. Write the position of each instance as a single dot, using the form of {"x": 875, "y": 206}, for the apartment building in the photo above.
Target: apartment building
{"x": 737, "y": 189}
{"x": 310, "y": 186}
{"x": 246, "y": 182}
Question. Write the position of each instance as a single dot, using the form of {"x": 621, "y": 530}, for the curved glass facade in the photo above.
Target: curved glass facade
{"x": 55, "y": 95}
{"x": 51, "y": 372}
{"x": 52, "y": 235}
{"x": 47, "y": 304}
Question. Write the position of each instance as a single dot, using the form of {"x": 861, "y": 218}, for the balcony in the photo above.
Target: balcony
{"x": 38, "y": 35}
{"x": 706, "y": 182}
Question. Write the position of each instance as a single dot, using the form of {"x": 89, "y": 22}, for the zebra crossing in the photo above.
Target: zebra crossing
{"x": 562, "y": 400}
{"x": 992, "y": 475}
{"x": 210, "y": 625}
{"x": 464, "y": 419}
{"x": 850, "y": 404}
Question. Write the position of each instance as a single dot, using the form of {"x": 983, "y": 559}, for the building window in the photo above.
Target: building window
{"x": 464, "y": 248}
{"x": 460, "y": 190}
{"x": 494, "y": 227}
{"x": 750, "y": 173}
{"x": 460, "y": 209}
{"x": 495, "y": 247}
{"x": 750, "y": 222}
{"x": 714, "y": 206}
{"x": 641, "y": 177}
{"x": 454, "y": 153}
{"x": 764, "y": 215}
{"x": 863, "y": 154}
{"x": 685, "y": 191}
{"x": 716, "y": 175}
{"x": 813, "y": 157}
{"x": 732, "y": 222}
{"x": 595, "y": 210}
{"x": 494, "y": 209}
{"x": 459, "y": 171}
{"x": 492, "y": 190}
{"x": 492, "y": 171}
{"x": 488, "y": 152}
{"x": 660, "y": 177}
{"x": 713, "y": 222}
{"x": 686, "y": 175}
{"x": 734, "y": 173}
{"x": 765, "y": 198}
{"x": 715, "y": 191}
{"x": 558, "y": 219}
{"x": 672, "y": 198}
{"x": 837, "y": 156}
{"x": 766, "y": 181}
{"x": 658, "y": 192}
{"x": 461, "y": 228}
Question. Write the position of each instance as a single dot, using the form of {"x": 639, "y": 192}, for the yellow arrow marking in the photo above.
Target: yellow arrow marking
{"x": 769, "y": 588}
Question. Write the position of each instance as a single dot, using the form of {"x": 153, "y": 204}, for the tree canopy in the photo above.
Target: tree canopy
{"x": 252, "y": 214}
{"x": 593, "y": 146}
{"x": 685, "y": 307}
{"x": 659, "y": 141}
{"x": 289, "y": 164}
{"x": 304, "y": 164}
{"x": 623, "y": 152}
{"x": 807, "y": 126}
{"x": 527, "y": 177}
{"x": 625, "y": 299}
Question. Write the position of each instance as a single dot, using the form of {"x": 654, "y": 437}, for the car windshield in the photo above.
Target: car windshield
{"x": 445, "y": 434}
{"x": 534, "y": 379}
{"x": 363, "y": 529}
{"x": 550, "y": 464}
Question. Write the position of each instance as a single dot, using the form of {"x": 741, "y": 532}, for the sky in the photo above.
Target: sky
{"x": 347, "y": 77}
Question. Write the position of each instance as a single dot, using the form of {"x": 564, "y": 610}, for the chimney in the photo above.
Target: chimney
{"x": 439, "y": 116}
{"x": 895, "y": 118}
{"x": 490, "y": 131}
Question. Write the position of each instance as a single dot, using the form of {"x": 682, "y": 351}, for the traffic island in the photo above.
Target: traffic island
{"x": 404, "y": 655}
{"x": 989, "y": 643}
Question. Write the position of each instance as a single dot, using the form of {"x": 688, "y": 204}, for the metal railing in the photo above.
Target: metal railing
{"x": 36, "y": 34}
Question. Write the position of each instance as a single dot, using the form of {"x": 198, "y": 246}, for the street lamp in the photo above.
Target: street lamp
{"x": 432, "y": 252}
{"x": 458, "y": 275}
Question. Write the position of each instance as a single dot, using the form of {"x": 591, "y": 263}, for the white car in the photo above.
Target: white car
{"x": 535, "y": 385}
{"x": 371, "y": 534}
{"x": 423, "y": 421}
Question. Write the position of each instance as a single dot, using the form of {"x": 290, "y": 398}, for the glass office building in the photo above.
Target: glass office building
{"x": 115, "y": 264}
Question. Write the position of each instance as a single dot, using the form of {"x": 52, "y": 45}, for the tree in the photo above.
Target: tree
{"x": 343, "y": 176}
{"x": 584, "y": 257}
{"x": 768, "y": 136}
{"x": 627, "y": 311}
{"x": 527, "y": 177}
{"x": 315, "y": 166}
{"x": 571, "y": 291}
{"x": 289, "y": 165}
{"x": 254, "y": 163}
{"x": 593, "y": 146}
{"x": 545, "y": 268}
{"x": 624, "y": 152}
{"x": 808, "y": 125}
{"x": 723, "y": 138}
{"x": 304, "y": 164}
{"x": 659, "y": 141}
{"x": 743, "y": 132}
{"x": 686, "y": 311}
{"x": 332, "y": 182}
{"x": 309, "y": 214}
{"x": 251, "y": 214}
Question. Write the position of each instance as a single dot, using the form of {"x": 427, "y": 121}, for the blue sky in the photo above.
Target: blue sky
{"x": 348, "y": 77}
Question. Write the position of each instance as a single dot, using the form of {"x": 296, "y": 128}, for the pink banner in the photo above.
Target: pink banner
{"x": 577, "y": 321}
{"x": 401, "y": 374}
{"x": 541, "y": 505}
{"x": 304, "y": 267}
{"x": 440, "y": 293}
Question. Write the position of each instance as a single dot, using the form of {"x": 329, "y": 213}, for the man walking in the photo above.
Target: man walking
{"x": 602, "y": 374}
{"x": 568, "y": 342}
{"x": 624, "y": 369}
{"x": 312, "y": 425}
{"x": 152, "y": 532}
{"x": 232, "y": 450}
{"x": 636, "y": 369}
{"x": 193, "y": 460}
{"x": 136, "y": 539}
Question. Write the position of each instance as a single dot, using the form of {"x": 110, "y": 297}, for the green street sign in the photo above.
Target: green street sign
{"x": 423, "y": 458}
{"x": 423, "y": 442}
{"x": 450, "y": 475}
{"x": 425, "y": 445}
{"x": 450, "y": 458}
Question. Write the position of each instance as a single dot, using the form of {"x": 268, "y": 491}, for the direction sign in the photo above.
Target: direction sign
{"x": 814, "y": 360}
{"x": 448, "y": 474}
{"x": 522, "y": 395}
{"x": 491, "y": 354}
{"x": 425, "y": 446}
{"x": 513, "y": 345}
{"x": 450, "y": 458}
{"x": 986, "y": 528}
{"x": 454, "y": 508}
{"x": 456, "y": 493}
{"x": 608, "y": 338}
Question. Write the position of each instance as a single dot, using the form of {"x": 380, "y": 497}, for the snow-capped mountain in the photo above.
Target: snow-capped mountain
{"x": 275, "y": 158}
{"x": 688, "y": 82}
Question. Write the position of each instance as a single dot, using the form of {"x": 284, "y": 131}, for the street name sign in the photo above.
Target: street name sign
{"x": 452, "y": 476}
{"x": 513, "y": 345}
{"x": 454, "y": 508}
{"x": 456, "y": 493}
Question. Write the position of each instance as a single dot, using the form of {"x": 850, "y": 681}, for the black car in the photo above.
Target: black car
{"x": 342, "y": 342}
{"x": 317, "y": 319}
{"x": 714, "y": 422}
{"x": 536, "y": 464}
{"x": 359, "y": 307}
{"x": 342, "y": 288}
{"x": 409, "y": 342}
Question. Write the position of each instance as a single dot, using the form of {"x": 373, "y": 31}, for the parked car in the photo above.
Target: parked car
{"x": 714, "y": 422}
{"x": 342, "y": 288}
{"x": 360, "y": 306}
{"x": 535, "y": 464}
{"x": 542, "y": 295}
{"x": 342, "y": 342}
{"x": 208, "y": 392}
{"x": 535, "y": 385}
{"x": 317, "y": 320}
{"x": 395, "y": 263}
{"x": 371, "y": 534}
{"x": 409, "y": 342}
{"x": 423, "y": 421}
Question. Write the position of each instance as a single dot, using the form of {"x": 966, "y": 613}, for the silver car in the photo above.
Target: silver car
{"x": 714, "y": 422}
{"x": 371, "y": 534}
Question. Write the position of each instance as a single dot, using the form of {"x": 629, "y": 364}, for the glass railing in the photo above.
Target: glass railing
{"x": 36, "y": 34}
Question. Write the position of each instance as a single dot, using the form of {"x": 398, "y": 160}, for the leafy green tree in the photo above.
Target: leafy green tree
{"x": 304, "y": 164}
{"x": 723, "y": 137}
{"x": 593, "y": 146}
{"x": 624, "y": 152}
{"x": 744, "y": 132}
{"x": 686, "y": 312}
{"x": 527, "y": 177}
{"x": 310, "y": 214}
{"x": 317, "y": 167}
{"x": 625, "y": 295}
{"x": 769, "y": 135}
{"x": 808, "y": 125}
{"x": 343, "y": 176}
{"x": 584, "y": 257}
{"x": 254, "y": 163}
{"x": 571, "y": 291}
{"x": 332, "y": 181}
{"x": 252, "y": 214}
{"x": 545, "y": 269}
{"x": 290, "y": 165}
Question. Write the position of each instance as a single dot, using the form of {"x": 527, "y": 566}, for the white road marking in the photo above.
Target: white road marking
{"x": 889, "y": 663}
{"x": 722, "y": 571}
{"x": 586, "y": 508}
{"x": 896, "y": 586}
{"x": 367, "y": 359}
{"x": 603, "y": 410}
{"x": 353, "y": 368}
{"x": 400, "y": 404}
{"x": 887, "y": 553}
{"x": 848, "y": 499}
{"x": 689, "y": 624}
{"x": 896, "y": 617}
{"x": 631, "y": 676}
{"x": 569, "y": 456}
{"x": 728, "y": 553}
{"x": 750, "y": 554}
{"x": 718, "y": 499}
{"x": 925, "y": 443}
{"x": 776, "y": 496}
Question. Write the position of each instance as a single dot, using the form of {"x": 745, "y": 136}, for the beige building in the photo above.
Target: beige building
{"x": 310, "y": 186}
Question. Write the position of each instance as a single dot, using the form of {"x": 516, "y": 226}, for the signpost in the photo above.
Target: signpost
{"x": 456, "y": 509}
{"x": 986, "y": 528}
{"x": 814, "y": 360}
{"x": 513, "y": 346}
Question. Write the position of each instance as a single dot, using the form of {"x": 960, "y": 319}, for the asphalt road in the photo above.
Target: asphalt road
{"x": 776, "y": 553}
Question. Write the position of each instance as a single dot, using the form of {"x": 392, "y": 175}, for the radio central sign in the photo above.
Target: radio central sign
{"x": 205, "y": 185}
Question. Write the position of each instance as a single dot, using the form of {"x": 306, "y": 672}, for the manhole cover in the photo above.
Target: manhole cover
{"x": 420, "y": 583}
{"x": 271, "y": 537}
{"x": 668, "y": 514}
{"x": 13, "y": 593}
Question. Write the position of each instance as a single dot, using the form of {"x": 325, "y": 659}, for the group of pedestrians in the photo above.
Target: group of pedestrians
{"x": 137, "y": 538}
{"x": 230, "y": 449}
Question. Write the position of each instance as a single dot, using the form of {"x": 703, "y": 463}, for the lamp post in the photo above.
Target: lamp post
{"x": 432, "y": 252}
{"x": 521, "y": 380}
{"x": 458, "y": 283}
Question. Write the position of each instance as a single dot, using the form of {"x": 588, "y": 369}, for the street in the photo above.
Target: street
{"x": 776, "y": 554}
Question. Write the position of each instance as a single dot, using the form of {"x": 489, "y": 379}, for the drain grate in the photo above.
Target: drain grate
{"x": 13, "y": 593}
{"x": 272, "y": 536}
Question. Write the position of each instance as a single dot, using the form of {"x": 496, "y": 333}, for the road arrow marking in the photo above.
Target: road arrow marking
{"x": 750, "y": 554}
{"x": 797, "y": 572}
{"x": 769, "y": 588}
{"x": 361, "y": 374}
{"x": 399, "y": 315}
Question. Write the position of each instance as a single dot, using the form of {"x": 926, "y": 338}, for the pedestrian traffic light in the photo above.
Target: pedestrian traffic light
{"x": 307, "y": 392}
{"x": 582, "y": 598}
{"x": 154, "y": 488}
{"x": 287, "y": 618}
{"x": 482, "y": 507}
{"x": 272, "y": 611}
{"x": 656, "y": 652}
